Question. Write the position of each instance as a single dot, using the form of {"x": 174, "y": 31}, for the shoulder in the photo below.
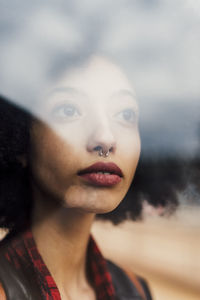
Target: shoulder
{"x": 127, "y": 284}
{"x": 17, "y": 283}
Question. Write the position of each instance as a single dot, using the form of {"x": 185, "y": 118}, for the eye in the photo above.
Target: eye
{"x": 127, "y": 115}
{"x": 66, "y": 112}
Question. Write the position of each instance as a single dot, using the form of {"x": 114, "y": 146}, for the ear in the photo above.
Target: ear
{"x": 23, "y": 160}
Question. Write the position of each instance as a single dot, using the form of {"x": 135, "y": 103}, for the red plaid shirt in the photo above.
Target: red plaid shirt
{"x": 23, "y": 250}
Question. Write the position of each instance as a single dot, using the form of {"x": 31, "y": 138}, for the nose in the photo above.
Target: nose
{"x": 102, "y": 140}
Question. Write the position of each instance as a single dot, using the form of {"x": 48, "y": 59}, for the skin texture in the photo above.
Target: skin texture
{"x": 87, "y": 107}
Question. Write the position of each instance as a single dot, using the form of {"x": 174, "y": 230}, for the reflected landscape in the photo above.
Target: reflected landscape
{"x": 90, "y": 81}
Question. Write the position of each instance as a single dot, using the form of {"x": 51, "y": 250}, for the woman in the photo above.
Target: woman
{"x": 78, "y": 156}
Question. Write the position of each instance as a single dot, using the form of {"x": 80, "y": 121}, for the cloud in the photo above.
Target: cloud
{"x": 157, "y": 43}
{"x": 161, "y": 45}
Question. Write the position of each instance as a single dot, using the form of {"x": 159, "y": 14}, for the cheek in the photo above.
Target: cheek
{"x": 130, "y": 147}
{"x": 51, "y": 168}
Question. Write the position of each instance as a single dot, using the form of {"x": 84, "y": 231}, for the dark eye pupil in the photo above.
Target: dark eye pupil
{"x": 128, "y": 115}
{"x": 69, "y": 111}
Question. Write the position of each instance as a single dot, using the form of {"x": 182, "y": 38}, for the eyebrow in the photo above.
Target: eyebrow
{"x": 69, "y": 90}
{"x": 125, "y": 92}
{"x": 81, "y": 94}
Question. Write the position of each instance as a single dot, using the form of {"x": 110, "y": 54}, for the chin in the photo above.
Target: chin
{"x": 100, "y": 209}
{"x": 94, "y": 204}
{"x": 92, "y": 200}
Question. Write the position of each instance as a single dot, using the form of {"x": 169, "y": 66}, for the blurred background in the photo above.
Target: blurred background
{"x": 157, "y": 44}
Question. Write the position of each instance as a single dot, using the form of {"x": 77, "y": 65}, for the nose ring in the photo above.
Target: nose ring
{"x": 103, "y": 153}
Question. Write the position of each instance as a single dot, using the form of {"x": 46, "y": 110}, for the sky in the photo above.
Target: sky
{"x": 157, "y": 43}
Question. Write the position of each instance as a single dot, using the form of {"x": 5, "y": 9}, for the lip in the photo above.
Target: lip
{"x": 102, "y": 174}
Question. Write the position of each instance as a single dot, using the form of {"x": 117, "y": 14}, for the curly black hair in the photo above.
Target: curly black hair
{"x": 155, "y": 181}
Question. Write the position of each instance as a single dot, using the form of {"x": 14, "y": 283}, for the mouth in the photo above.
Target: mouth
{"x": 102, "y": 174}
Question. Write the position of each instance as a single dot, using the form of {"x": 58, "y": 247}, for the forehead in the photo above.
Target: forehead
{"x": 98, "y": 77}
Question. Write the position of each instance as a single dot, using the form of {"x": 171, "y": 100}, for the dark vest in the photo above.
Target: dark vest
{"x": 20, "y": 285}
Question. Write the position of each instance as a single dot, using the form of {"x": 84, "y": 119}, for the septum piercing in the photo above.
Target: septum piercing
{"x": 102, "y": 153}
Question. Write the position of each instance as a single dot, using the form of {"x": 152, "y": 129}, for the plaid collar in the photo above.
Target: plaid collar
{"x": 24, "y": 250}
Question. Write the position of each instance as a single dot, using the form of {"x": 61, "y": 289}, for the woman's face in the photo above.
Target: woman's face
{"x": 89, "y": 110}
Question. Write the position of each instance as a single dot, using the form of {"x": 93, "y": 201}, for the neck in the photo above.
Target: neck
{"x": 62, "y": 239}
